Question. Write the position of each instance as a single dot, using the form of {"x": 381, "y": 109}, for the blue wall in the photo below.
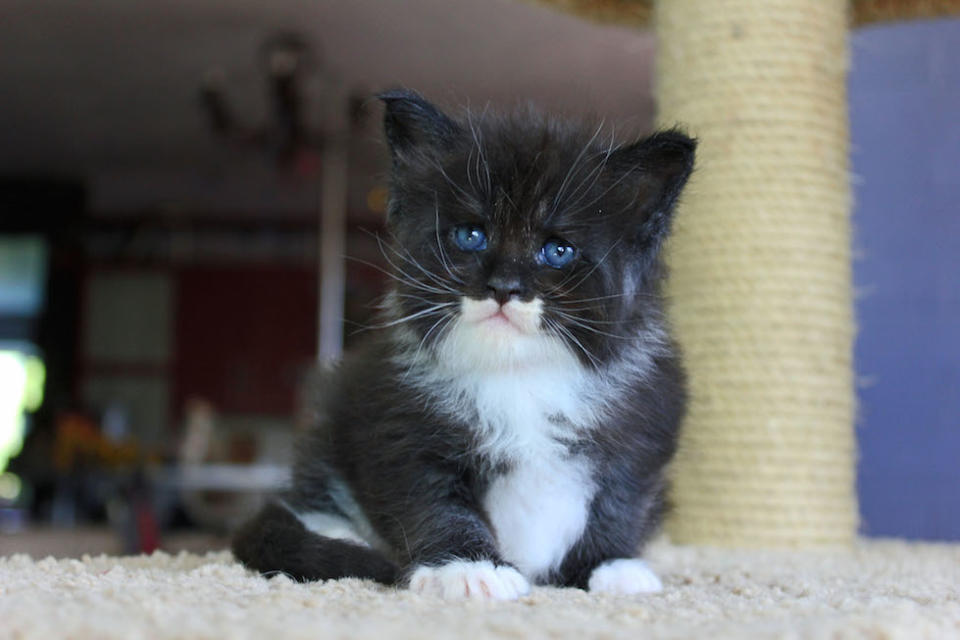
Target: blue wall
{"x": 905, "y": 118}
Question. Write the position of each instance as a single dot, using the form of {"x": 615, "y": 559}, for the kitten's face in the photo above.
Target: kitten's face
{"x": 519, "y": 241}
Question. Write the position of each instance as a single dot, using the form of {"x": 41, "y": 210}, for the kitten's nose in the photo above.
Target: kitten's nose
{"x": 504, "y": 287}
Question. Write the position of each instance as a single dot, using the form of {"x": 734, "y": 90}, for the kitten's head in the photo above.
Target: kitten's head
{"x": 522, "y": 239}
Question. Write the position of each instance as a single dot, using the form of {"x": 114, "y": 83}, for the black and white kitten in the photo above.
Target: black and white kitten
{"x": 511, "y": 419}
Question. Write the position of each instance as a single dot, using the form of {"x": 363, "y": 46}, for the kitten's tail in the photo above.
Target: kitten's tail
{"x": 276, "y": 541}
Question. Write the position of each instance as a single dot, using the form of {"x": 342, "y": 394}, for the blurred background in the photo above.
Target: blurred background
{"x": 169, "y": 172}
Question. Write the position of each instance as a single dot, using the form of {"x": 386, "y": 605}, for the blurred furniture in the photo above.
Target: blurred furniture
{"x": 226, "y": 467}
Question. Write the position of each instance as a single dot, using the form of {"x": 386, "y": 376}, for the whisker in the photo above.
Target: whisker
{"x": 588, "y": 273}
{"x": 443, "y": 255}
{"x": 587, "y": 320}
{"x": 576, "y": 162}
{"x": 437, "y": 282}
{"x": 559, "y": 329}
{"x": 409, "y": 296}
{"x": 409, "y": 259}
{"x": 595, "y": 174}
{"x": 413, "y": 316}
{"x": 586, "y": 327}
{"x": 469, "y": 163}
{"x": 409, "y": 278}
{"x": 445, "y": 321}
{"x": 463, "y": 197}
{"x": 570, "y": 276}
{"x": 623, "y": 177}
{"x": 481, "y": 157}
{"x": 432, "y": 276}
{"x": 381, "y": 302}
{"x": 410, "y": 282}
{"x": 569, "y": 305}
{"x": 616, "y": 295}
{"x": 599, "y": 262}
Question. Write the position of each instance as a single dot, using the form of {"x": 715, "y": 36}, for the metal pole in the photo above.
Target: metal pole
{"x": 332, "y": 243}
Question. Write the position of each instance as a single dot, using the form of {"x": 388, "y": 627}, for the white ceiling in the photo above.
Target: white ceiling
{"x": 107, "y": 89}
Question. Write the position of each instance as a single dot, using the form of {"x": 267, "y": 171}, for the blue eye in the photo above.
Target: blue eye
{"x": 557, "y": 254}
{"x": 470, "y": 237}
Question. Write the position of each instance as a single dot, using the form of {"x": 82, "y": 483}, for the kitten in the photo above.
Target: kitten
{"x": 510, "y": 421}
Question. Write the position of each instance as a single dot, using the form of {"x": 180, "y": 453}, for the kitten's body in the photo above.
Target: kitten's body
{"x": 512, "y": 420}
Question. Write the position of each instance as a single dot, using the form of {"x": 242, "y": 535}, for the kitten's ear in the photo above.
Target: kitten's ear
{"x": 411, "y": 122}
{"x": 659, "y": 167}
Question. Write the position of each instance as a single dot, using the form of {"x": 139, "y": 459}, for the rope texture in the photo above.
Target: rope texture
{"x": 639, "y": 13}
{"x": 760, "y": 286}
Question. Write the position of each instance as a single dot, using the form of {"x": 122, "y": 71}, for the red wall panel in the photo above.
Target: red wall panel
{"x": 244, "y": 336}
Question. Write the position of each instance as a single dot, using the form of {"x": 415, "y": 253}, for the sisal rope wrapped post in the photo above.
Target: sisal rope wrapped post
{"x": 637, "y": 13}
{"x": 760, "y": 284}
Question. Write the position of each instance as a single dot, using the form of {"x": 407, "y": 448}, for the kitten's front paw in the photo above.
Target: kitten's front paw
{"x": 624, "y": 576}
{"x": 473, "y": 580}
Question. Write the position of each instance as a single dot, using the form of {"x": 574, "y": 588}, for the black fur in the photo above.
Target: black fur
{"x": 413, "y": 470}
{"x": 275, "y": 541}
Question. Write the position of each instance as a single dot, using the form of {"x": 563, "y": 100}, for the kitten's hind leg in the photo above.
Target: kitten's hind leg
{"x": 330, "y": 525}
{"x": 277, "y": 541}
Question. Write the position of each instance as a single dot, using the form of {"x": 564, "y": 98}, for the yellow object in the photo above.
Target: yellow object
{"x": 13, "y": 384}
{"x": 10, "y": 486}
{"x": 21, "y": 389}
{"x": 36, "y": 379}
{"x": 639, "y": 13}
{"x": 760, "y": 285}
{"x": 79, "y": 440}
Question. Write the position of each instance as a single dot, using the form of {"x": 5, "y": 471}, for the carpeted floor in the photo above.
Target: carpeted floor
{"x": 879, "y": 590}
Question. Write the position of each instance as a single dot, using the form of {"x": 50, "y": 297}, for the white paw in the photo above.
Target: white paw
{"x": 624, "y": 576}
{"x": 472, "y": 580}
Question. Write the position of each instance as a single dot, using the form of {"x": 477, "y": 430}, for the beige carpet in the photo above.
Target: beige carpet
{"x": 880, "y": 590}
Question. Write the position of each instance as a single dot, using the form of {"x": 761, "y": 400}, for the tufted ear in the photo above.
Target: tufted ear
{"x": 658, "y": 167}
{"x": 410, "y": 123}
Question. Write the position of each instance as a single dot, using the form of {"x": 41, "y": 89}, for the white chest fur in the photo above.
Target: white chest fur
{"x": 526, "y": 392}
{"x": 539, "y": 508}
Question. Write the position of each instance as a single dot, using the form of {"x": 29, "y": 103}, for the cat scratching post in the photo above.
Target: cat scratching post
{"x": 760, "y": 259}
{"x": 760, "y": 286}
